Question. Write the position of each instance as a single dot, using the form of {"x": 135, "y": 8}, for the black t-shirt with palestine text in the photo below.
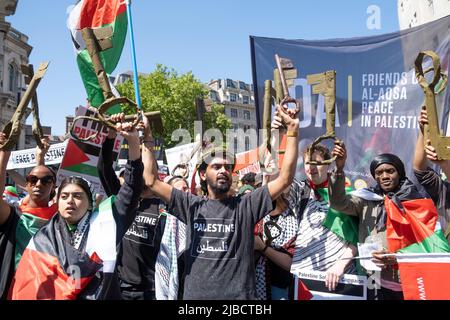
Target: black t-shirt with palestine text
{"x": 219, "y": 262}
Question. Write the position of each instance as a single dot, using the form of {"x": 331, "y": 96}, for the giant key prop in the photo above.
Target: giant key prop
{"x": 96, "y": 41}
{"x": 283, "y": 76}
{"x": 325, "y": 84}
{"x": 14, "y": 126}
{"x": 432, "y": 131}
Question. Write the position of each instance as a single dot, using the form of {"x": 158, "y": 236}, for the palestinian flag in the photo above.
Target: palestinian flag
{"x": 30, "y": 221}
{"x": 52, "y": 269}
{"x": 301, "y": 291}
{"x": 96, "y": 14}
{"x": 414, "y": 229}
{"x": 344, "y": 226}
{"x": 425, "y": 276}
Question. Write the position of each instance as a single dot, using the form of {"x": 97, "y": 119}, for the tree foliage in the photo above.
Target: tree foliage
{"x": 174, "y": 96}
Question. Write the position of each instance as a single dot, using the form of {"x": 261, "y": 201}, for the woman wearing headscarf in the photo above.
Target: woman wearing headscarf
{"x": 74, "y": 255}
{"x": 377, "y": 209}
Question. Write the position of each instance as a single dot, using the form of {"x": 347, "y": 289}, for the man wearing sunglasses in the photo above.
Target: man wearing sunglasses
{"x": 18, "y": 225}
{"x": 218, "y": 259}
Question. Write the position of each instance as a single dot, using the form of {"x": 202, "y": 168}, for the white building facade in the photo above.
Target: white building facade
{"x": 412, "y": 13}
{"x": 14, "y": 52}
{"x": 239, "y": 103}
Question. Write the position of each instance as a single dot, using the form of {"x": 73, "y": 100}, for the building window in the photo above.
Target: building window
{"x": 230, "y": 83}
{"x": 234, "y": 113}
{"x": 242, "y": 86}
{"x": 246, "y": 127}
{"x": 213, "y": 96}
{"x": 233, "y": 97}
{"x": 234, "y": 126}
{"x": 246, "y": 115}
{"x": 247, "y": 143}
{"x": 12, "y": 74}
{"x": 245, "y": 99}
{"x": 235, "y": 143}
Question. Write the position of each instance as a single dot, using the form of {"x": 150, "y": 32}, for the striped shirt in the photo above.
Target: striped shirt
{"x": 316, "y": 247}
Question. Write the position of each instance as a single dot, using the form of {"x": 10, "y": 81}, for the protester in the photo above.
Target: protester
{"x": 219, "y": 260}
{"x": 326, "y": 239}
{"x": 141, "y": 242}
{"x": 394, "y": 189}
{"x": 275, "y": 236}
{"x": 438, "y": 189}
{"x": 169, "y": 264}
{"x": 19, "y": 224}
{"x": 80, "y": 242}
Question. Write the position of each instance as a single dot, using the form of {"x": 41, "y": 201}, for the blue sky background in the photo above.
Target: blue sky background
{"x": 209, "y": 38}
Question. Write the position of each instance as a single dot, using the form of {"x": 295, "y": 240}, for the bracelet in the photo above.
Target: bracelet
{"x": 292, "y": 133}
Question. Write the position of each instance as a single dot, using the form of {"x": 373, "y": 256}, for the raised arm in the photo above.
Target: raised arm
{"x": 422, "y": 153}
{"x": 5, "y": 209}
{"x": 339, "y": 200}
{"x": 108, "y": 178}
{"x": 161, "y": 189}
{"x": 287, "y": 172}
{"x": 41, "y": 152}
{"x": 127, "y": 200}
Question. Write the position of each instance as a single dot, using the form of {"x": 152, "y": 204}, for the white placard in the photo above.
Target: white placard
{"x": 350, "y": 286}
{"x": 26, "y": 158}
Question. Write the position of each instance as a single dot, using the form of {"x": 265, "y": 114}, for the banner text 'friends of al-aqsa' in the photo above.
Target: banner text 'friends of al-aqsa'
{"x": 378, "y": 99}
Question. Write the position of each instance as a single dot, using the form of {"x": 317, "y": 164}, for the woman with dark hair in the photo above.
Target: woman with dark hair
{"x": 19, "y": 224}
{"x": 74, "y": 255}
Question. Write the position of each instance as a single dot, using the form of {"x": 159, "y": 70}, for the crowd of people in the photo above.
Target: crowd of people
{"x": 155, "y": 240}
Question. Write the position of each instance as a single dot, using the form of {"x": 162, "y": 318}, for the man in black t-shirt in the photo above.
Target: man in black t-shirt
{"x": 219, "y": 261}
{"x": 142, "y": 241}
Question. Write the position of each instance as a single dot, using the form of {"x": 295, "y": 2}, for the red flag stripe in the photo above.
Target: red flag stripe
{"x": 40, "y": 277}
{"x": 425, "y": 281}
{"x": 417, "y": 224}
{"x": 97, "y": 13}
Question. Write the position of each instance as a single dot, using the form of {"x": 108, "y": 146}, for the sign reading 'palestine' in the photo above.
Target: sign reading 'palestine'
{"x": 378, "y": 99}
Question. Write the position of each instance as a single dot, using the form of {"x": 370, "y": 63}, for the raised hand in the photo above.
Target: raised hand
{"x": 288, "y": 117}
{"x": 423, "y": 118}
{"x": 340, "y": 152}
{"x": 116, "y": 118}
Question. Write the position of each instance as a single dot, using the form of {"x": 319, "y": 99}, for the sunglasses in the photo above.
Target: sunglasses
{"x": 31, "y": 179}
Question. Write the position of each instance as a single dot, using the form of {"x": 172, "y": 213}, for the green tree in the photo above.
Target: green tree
{"x": 174, "y": 96}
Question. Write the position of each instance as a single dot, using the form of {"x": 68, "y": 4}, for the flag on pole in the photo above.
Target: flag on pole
{"x": 96, "y": 14}
{"x": 301, "y": 291}
{"x": 425, "y": 276}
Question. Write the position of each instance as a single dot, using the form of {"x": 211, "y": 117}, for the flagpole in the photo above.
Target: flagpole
{"x": 133, "y": 55}
{"x": 370, "y": 257}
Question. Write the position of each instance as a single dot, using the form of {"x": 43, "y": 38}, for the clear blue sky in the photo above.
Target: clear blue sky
{"x": 209, "y": 38}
